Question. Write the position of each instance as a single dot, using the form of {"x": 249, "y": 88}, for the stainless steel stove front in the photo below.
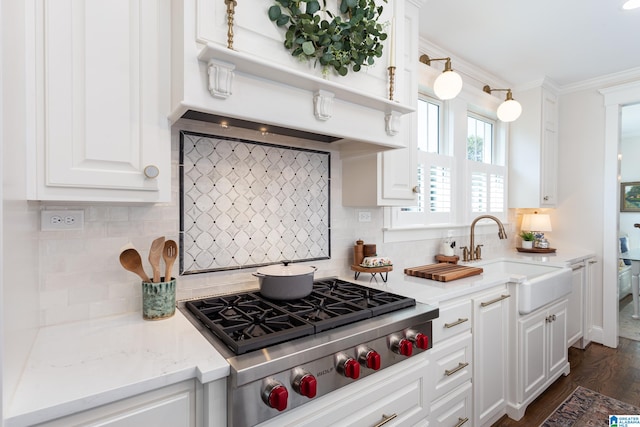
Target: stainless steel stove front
{"x": 266, "y": 383}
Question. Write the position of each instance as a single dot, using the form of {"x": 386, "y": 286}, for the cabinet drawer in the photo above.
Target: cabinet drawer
{"x": 453, "y": 409}
{"x": 451, "y": 365}
{"x": 454, "y": 319}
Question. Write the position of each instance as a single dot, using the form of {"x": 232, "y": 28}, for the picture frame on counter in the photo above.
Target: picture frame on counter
{"x": 630, "y": 196}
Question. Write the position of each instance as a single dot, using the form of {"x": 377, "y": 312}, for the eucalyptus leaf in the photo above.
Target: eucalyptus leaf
{"x": 275, "y": 12}
{"x": 312, "y": 7}
{"x": 308, "y": 48}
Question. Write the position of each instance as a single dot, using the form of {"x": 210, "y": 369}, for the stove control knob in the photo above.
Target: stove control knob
{"x": 418, "y": 339}
{"x": 275, "y": 395}
{"x": 369, "y": 358}
{"x": 348, "y": 366}
{"x": 305, "y": 384}
{"x": 401, "y": 346}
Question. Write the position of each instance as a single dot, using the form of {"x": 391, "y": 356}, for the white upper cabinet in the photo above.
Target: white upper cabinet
{"x": 533, "y": 152}
{"x": 101, "y": 89}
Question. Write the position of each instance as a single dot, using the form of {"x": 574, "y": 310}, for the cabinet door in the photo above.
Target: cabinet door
{"x": 103, "y": 82}
{"x": 533, "y": 354}
{"x": 557, "y": 338}
{"x": 171, "y": 406}
{"x": 490, "y": 341}
{"x": 575, "y": 307}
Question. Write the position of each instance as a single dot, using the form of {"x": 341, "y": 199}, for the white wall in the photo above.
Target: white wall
{"x": 20, "y": 261}
{"x": 579, "y": 216}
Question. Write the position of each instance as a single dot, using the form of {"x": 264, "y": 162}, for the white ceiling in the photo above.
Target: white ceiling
{"x": 567, "y": 41}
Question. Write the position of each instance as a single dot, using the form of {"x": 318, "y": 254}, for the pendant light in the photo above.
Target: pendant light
{"x": 510, "y": 109}
{"x": 448, "y": 84}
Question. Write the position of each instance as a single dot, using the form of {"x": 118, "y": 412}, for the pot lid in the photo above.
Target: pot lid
{"x": 285, "y": 269}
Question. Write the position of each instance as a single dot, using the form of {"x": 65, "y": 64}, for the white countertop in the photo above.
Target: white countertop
{"x": 78, "y": 366}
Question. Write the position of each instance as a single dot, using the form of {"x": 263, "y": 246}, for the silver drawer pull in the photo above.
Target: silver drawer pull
{"x": 461, "y": 421}
{"x": 386, "y": 419}
{"x": 493, "y": 301}
{"x": 449, "y": 372}
{"x": 456, "y": 323}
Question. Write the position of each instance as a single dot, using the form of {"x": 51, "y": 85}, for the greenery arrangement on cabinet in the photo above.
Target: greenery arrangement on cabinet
{"x": 352, "y": 39}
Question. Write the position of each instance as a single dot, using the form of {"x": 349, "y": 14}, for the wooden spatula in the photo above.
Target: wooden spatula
{"x": 155, "y": 253}
{"x": 131, "y": 261}
{"x": 169, "y": 255}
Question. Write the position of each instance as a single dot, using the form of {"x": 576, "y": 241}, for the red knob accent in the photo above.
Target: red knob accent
{"x": 278, "y": 397}
{"x": 403, "y": 347}
{"x": 351, "y": 369}
{"x": 373, "y": 360}
{"x": 308, "y": 386}
{"x": 422, "y": 341}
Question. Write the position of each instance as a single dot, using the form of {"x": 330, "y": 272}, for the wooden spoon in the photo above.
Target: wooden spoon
{"x": 131, "y": 261}
{"x": 155, "y": 253}
{"x": 169, "y": 255}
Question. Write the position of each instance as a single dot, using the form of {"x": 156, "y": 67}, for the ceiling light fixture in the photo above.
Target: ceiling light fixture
{"x": 448, "y": 84}
{"x": 510, "y": 109}
{"x": 631, "y": 4}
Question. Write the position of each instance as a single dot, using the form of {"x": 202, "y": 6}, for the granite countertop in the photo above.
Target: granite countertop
{"x": 78, "y": 366}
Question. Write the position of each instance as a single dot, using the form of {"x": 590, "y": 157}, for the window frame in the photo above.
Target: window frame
{"x": 476, "y": 103}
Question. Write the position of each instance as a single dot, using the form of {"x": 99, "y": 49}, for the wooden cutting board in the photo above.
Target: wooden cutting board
{"x": 443, "y": 272}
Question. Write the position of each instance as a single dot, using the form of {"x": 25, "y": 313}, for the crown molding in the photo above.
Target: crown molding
{"x": 607, "y": 80}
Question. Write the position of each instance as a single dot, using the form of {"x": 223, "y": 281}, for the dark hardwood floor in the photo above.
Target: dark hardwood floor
{"x": 612, "y": 372}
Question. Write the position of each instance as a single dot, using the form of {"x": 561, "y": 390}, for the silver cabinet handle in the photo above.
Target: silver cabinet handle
{"x": 461, "y": 421}
{"x": 577, "y": 267}
{"x": 493, "y": 301}
{"x": 456, "y": 323}
{"x": 593, "y": 261}
{"x": 546, "y": 198}
{"x": 386, "y": 419}
{"x": 415, "y": 189}
{"x": 449, "y": 372}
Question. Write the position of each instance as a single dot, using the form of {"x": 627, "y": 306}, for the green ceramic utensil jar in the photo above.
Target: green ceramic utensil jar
{"x": 158, "y": 299}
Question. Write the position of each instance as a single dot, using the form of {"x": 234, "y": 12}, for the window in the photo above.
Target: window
{"x": 435, "y": 173}
{"x": 485, "y": 165}
{"x": 461, "y": 166}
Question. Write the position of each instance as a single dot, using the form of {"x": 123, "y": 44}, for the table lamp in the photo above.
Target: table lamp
{"x": 537, "y": 224}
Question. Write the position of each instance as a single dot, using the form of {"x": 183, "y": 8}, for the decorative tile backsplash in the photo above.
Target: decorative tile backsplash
{"x": 245, "y": 204}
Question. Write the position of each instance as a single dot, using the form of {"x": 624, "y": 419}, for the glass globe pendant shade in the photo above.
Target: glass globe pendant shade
{"x": 631, "y": 4}
{"x": 509, "y": 110}
{"x": 448, "y": 85}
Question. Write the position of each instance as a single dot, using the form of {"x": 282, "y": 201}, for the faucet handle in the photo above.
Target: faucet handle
{"x": 478, "y": 252}
{"x": 466, "y": 253}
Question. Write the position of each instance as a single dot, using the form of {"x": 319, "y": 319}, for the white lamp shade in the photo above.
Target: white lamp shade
{"x": 448, "y": 85}
{"x": 509, "y": 111}
{"x": 536, "y": 222}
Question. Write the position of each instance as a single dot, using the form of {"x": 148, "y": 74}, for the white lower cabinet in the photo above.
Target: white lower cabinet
{"x": 540, "y": 355}
{"x": 575, "y": 306}
{"x": 171, "y": 406}
{"x": 490, "y": 351}
{"x": 398, "y": 394}
{"x": 451, "y": 368}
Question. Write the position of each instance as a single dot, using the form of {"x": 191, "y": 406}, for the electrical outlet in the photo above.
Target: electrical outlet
{"x": 62, "y": 220}
{"x": 364, "y": 216}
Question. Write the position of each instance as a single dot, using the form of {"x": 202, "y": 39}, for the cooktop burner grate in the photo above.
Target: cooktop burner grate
{"x": 248, "y": 321}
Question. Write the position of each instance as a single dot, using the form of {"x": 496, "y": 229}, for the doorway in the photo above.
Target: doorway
{"x": 615, "y": 98}
{"x": 629, "y": 215}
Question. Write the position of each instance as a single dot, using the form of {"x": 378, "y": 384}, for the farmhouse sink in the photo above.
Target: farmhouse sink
{"x": 538, "y": 284}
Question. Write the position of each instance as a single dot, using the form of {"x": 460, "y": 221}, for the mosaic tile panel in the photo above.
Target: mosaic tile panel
{"x": 245, "y": 204}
